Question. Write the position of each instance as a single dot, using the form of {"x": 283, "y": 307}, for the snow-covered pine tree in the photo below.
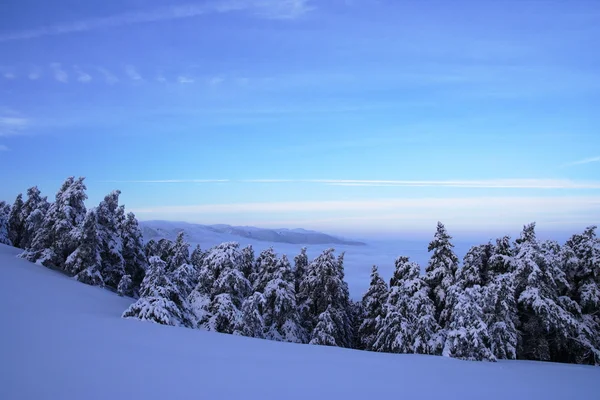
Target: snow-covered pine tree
{"x": 546, "y": 327}
{"x": 501, "y": 260}
{"x": 281, "y": 319}
{"x": 251, "y": 322}
{"x": 581, "y": 260}
{"x": 59, "y": 233}
{"x": 249, "y": 264}
{"x": 159, "y": 301}
{"x": 134, "y": 257}
{"x": 4, "y": 217}
{"x": 409, "y": 325}
{"x": 440, "y": 272}
{"x": 151, "y": 249}
{"x": 266, "y": 267}
{"x": 500, "y": 310}
{"x": 373, "y": 303}
{"x": 197, "y": 257}
{"x": 164, "y": 249}
{"x": 326, "y": 332}
{"x": 33, "y": 214}
{"x": 476, "y": 266}
{"x": 85, "y": 262}
{"x": 217, "y": 298}
{"x": 109, "y": 233}
{"x": 16, "y": 225}
{"x": 467, "y": 334}
{"x": 323, "y": 287}
{"x": 180, "y": 253}
{"x": 300, "y": 266}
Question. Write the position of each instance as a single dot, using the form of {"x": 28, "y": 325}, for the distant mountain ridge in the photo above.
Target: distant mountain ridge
{"x": 168, "y": 229}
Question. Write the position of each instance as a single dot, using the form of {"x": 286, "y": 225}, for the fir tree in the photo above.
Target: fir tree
{"x": 501, "y": 259}
{"x": 323, "y": 287}
{"x": 248, "y": 264}
{"x": 33, "y": 213}
{"x": 440, "y": 272}
{"x": 252, "y": 323}
{"x": 85, "y": 263}
{"x": 545, "y": 325}
{"x": 476, "y": 266}
{"x": 467, "y": 336}
{"x": 326, "y": 331}
{"x": 4, "y": 227}
{"x": 159, "y": 301}
{"x": 281, "y": 317}
{"x": 59, "y": 234}
{"x": 500, "y": 309}
{"x": 16, "y": 225}
{"x": 409, "y": 325}
{"x": 266, "y": 267}
{"x": 133, "y": 254}
{"x": 300, "y": 266}
{"x": 373, "y": 303}
{"x": 179, "y": 253}
{"x": 109, "y": 233}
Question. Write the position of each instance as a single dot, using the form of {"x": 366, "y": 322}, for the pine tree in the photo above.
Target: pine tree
{"x": 221, "y": 290}
{"x": 373, "y": 303}
{"x": 409, "y": 325}
{"x": 266, "y": 267}
{"x": 440, "y": 272}
{"x": 33, "y": 214}
{"x": 16, "y": 225}
{"x": 326, "y": 331}
{"x": 59, "y": 233}
{"x": 109, "y": 233}
{"x": 85, "y": 262}
{"x": 545, "y": 324}
{"x": 281, "y": 318}
{"x": 300, "y": 266}
{"x": 133, "y": 254}
{"x": 581, "y": 262}
{"x": 159, "y": 301}
{"x": 151, "y": 249}
{"x": 179, "y": 253}
{"x": 501, "y": 260}
{"x": 500, "y": 309}
{"x": 252, "y": 323}
{"x": 467, "y": 336}
{"x": 476, "y": 266}
{"x": 197, "y": 257}
{"x": 248, "y": 264}
{"x": 4, "y": 227}
{"x": 323, "y": 287}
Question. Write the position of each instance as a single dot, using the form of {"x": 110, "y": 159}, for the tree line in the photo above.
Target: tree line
{"x": 523, "y": 299}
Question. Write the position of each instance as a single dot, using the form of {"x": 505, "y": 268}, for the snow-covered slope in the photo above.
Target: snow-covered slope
{"x": 225, "y": 233}
{"x": 61, "y": 339}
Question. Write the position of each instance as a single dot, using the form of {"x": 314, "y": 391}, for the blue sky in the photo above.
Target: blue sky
{"x": 346, "y": 116}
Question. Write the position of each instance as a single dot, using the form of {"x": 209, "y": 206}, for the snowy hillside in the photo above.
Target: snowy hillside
{"x": 227, "y": 233}
{"x": 65, "y": 340}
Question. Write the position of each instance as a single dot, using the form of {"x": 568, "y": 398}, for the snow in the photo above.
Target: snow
{"x": 357, "y": 261}
{"x": 61, "y": 339}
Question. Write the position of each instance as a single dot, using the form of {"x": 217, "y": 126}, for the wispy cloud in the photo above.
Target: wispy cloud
{"x": 4, "y": 148}
{"x": 132, "y": 73}
{"x": 482, "y": 184}
{"x": 216, "y": 80}
{"x": 82, "y": 76}
{"x": 185, "y": 79}
{"x": 108, "y": 76}
{"x": 169, "y": 181}
{"x": 59, "y": 73}
{"x": 584, "y": 161}
{"x": 9, "y": 75}
{"x": 12, "y": 123}
{"x": 273, "y": 9}
{"x": 34, "y": 74}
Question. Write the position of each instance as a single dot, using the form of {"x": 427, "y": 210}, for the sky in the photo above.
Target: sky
{"x": 355, "y": 117}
